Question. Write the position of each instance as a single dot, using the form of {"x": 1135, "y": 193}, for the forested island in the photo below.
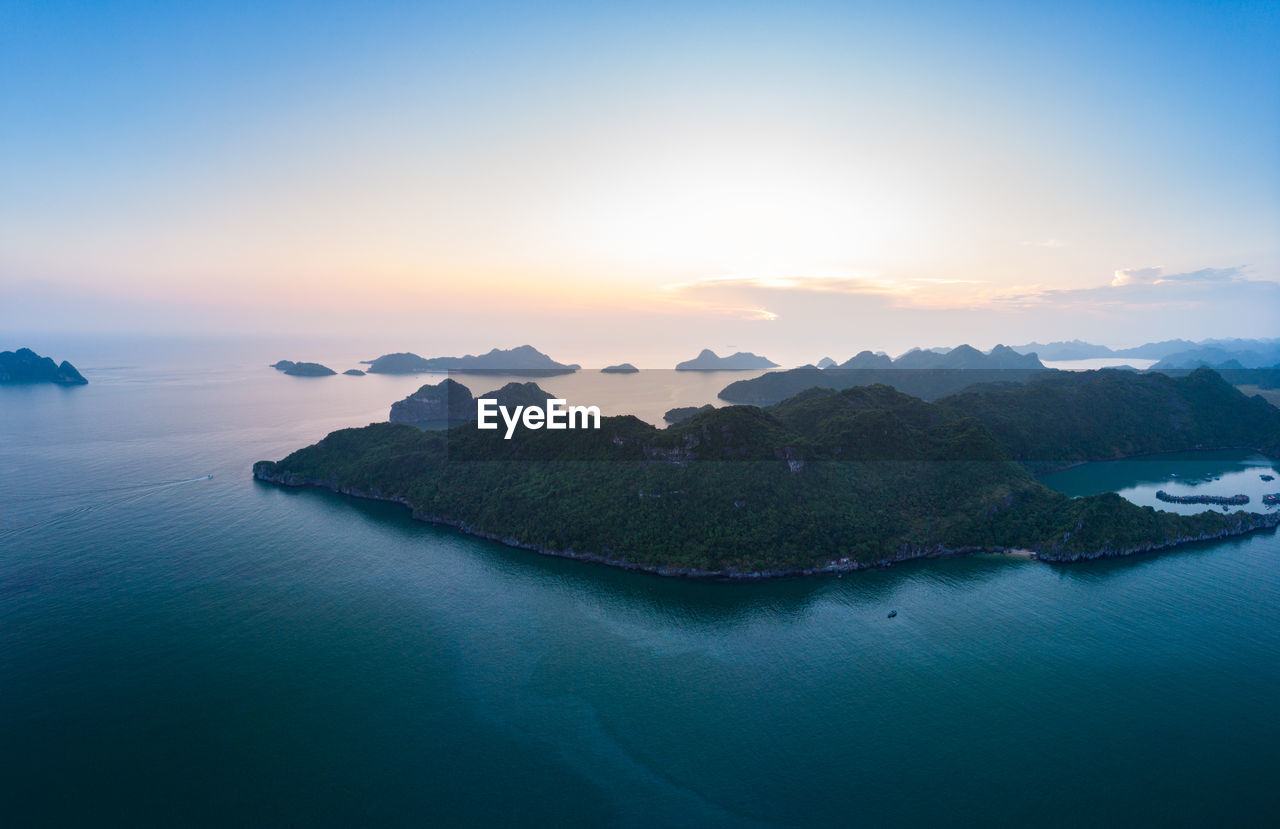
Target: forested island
{"x": 26, "y": 366}
{"x": 822, "y": 482}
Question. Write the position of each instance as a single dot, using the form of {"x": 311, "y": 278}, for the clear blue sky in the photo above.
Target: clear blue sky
{"x": 751, "y": 169}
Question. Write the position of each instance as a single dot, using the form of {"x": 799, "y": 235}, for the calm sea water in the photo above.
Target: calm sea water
{"x": 1176, "y": 473}
{"x": 1100, "y": 362}
{"x": 221, "y": 651}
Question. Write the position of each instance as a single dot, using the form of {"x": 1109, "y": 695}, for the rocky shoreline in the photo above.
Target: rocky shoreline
{"x": 1242, "y": 524}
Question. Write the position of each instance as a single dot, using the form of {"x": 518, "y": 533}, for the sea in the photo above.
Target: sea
{"x": 177, "y": 649}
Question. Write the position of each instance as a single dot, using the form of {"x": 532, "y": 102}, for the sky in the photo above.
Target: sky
{"x": 631, "y": 181}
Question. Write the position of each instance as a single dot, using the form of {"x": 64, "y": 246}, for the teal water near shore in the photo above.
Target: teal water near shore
{"x": 1215, "y": 473}
{"x": 178, "y": 651}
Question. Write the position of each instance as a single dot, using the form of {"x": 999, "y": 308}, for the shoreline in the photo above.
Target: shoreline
{"x": 1253, "y": 522}
{"x": 1150, "y": 456}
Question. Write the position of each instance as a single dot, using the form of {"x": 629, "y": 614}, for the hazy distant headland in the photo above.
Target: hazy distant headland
{"x": 26, "y": 366}
{"x": 823, "y": 481}
{"x": 621, "y": 368}
{"x": 523, "y": 359}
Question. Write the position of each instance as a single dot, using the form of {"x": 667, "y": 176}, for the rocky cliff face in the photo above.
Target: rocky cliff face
{"x": 446, "y": 402}
{"x": 1241, "y": 523}
{"x": 26, "y": 366}
{"x": 451, "y": 402}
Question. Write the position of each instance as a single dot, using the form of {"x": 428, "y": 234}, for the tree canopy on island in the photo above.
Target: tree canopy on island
{"x": 866, "y": 474}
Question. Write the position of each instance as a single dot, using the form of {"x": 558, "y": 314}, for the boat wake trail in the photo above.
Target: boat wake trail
{"x": 123, "y": 494}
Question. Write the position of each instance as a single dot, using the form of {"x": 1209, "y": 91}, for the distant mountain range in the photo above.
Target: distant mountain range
{"x": 26, "y": 366}
{"x": 708, "y": 360}
{"x": 926, "y": 374}
{"x": 524, "y": 359}
{"x": 1184, "y": 353}
{"x": 1241, "y": 354}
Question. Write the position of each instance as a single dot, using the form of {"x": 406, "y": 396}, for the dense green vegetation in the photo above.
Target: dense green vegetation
{"x": 681, "y": 413}
{"x": 1061, "y": 418}
{"x": 868, "y": 474}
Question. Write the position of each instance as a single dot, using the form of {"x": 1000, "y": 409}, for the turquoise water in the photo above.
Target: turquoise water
{"x": 1177, "y": 473}
{"x": 224, "y": 651}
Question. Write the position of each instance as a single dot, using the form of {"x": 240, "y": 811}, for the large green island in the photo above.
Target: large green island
{"x": 824, "y": 481}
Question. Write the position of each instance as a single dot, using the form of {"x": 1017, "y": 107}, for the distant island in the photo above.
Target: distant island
{"x": 924, "y": 373}
{"x": 708, "y": 360}
{"x": 1223, "y": 500}
{"x": 353, "y": 372}
{"x": 621, "y": 368}
{"x": 682, "y": 413}
{"x": 523, "y": 360}
{"x": 26, "y": 366}
{"x": 303, "y": 369}
{"x": 822, "y": 482}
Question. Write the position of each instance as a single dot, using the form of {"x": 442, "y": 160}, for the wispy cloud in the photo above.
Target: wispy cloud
{"x": 1045, "y": 243}
{"x": 1156, "y": 276}
{"x": 1131, "y": 291}
{"x": 835, "y": 284}
{"x": 1139, "y": 289}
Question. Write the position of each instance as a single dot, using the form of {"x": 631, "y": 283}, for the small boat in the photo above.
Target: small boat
{"x": 892, "y": 613}
{"x": 1267, "y": 477}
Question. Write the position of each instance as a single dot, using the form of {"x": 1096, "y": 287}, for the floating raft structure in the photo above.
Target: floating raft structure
{"x": 1234, "y": 500}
